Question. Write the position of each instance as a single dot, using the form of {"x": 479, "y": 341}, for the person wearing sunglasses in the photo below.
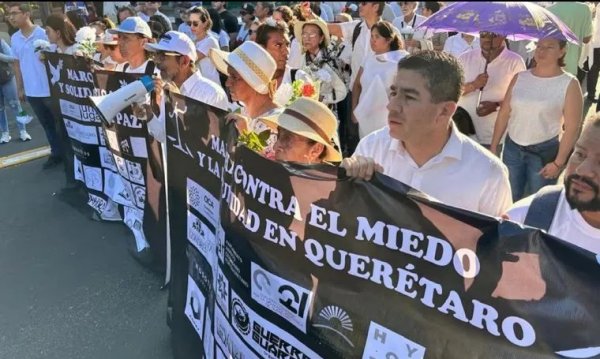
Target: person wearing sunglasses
{"x": 247, "y": 14}
{"x": 200, "y": 22}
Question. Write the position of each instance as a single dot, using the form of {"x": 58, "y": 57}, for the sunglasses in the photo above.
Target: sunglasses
{"x": 193, "y": 23}
{"x": 487, "y": 34}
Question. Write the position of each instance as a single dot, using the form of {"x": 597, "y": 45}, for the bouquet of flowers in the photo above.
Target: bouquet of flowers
{"x": 304, "y": 88}
{"x": 254, "y": 141}
{"x": 86, "y": 40}
{"x": 40, "y": 46}
{"x": 23, "y": 117}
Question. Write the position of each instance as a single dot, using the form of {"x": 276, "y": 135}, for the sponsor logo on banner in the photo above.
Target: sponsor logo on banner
{"x": 266, "y": 338}
{"x": 97, "y": 203}
{"x": 102, "y": 136}
{"x": 138, "y": 146}
{"x": 81, "y": 133}
{"x": 113, "y": 142}
{"x": 281, "y": 296}
{"x": 336, "y": 320}
{"x": 124, "y": 146}
{"x": 384, "y": 343}
{"x": 203, "y": 202}
{"x": 106, "y": 159}
{"x": 229, "y": 341}
{"x": 55, "y": 71}
{"x": 194, "y": 306}
{"x": 93, "y": 177}
{"x": 201, "y": 237}
{"x": 209, "y": 339}
{"x": 78, "y": 169}
{"x": 222, "y": 290}
{"x": 135, "y": 172}
{"x": 121, "y": 166}
{"x": 221, "y": 243}
{"x": 80, "y": 112}
{"x": 139, "y": 196}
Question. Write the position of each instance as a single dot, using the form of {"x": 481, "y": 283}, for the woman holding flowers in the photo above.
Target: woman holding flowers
{"x": 317, "y": 63}
{"x": 370, "y": 92}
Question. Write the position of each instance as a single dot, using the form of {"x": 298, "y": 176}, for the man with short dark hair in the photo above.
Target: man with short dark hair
{"x": 230, "y": 22}
{"x": 32, "y": 79}
{"x": 570, "y": 211}
{"x": 152, "y": 8}
{"x": 275, "y": 39}
{"x": 124, "y": 12}
{"x": 421, "y": 147}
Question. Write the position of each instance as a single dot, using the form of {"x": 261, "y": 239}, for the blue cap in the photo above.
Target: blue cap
{"x": 148, "y": 82}
{"x": 133, "y": 25}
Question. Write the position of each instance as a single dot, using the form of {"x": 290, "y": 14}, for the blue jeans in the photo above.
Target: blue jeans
{"x": 524, "y": 164}
{"x": 42, "y": 106}
{"x": 8, "y": 96}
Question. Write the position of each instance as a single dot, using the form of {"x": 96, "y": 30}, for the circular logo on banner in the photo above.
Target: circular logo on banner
{"x": 240, "y": 316}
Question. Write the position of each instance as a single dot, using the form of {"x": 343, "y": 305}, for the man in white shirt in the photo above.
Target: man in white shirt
{"x": 31, "y": 76}
{"x": 422, "y": 148}
{"x": 152, "y": 8}
{"x": 175, "y": 58}
{"x": 408, "y": 22}
{"x": 494, "y": 78}
{"x": 571, "y": 211}
{"x": 459, "y": 43}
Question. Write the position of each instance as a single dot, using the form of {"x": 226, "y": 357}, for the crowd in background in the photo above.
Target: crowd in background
{"x": 475, "y": 120}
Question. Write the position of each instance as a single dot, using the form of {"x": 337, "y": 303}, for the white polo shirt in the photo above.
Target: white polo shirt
{"x": 33, "y": 71}
{"x": 198, "y": 88}
{"x": 567, "y": 223}
{"x": 463, "y": 174}
{"x": 501, "y": 72}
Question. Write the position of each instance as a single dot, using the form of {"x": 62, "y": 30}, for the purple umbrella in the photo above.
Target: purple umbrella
{"x": 517, "y": 20}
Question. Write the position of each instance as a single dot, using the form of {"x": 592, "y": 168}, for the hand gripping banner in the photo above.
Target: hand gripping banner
{"x": 284, "y": 261}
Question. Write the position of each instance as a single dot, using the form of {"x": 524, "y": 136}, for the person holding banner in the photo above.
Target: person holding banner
{"x": 421, "y": 147}
{"x": 306, "y": 133}
{"x": 134, "y": 33}
{"x": 570, "y": 211}
{"x": 176, "y": 58}
{"x": 250, "y": 81}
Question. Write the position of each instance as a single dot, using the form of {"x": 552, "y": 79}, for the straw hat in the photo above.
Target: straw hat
{"x": 311, "y": 119}
{"x": 320, "y": 23}
{"x": 254, "y": 64}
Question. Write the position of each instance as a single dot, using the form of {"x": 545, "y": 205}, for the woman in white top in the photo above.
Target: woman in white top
{"x": 370, "y": 92}
{"x": 217, "y": 31}
{"x": 201, "y": 23}
{"x": 61, "y": 34}
{"x": 318, "y": 63}
{"x": 542, "y": 110}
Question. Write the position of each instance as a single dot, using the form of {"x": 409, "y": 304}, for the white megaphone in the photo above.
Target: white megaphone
{"x": 108, "y": 106}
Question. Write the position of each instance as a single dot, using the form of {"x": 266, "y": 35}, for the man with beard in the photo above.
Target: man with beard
{"x": 571, "y": 211}
{"x": 175, "y": 58}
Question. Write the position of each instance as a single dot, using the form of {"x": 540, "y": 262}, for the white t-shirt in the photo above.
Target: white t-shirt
{"x": 378, "y": 75}
{"x": 401, "y": 25}
{"x": 296, "y": 56}
{"x": 33, "y": 71}
{"x": 501, "y": 71}
{"x": 362, "y": 46}
{"x": 463, "y": 174}
{"x": 222, "y": 37}
{"x": 140, "y": 69}
{"x": 567, "y": 223}
{"x": 284, "y": 92}
{"x": 198, "y": 88}
{"x": 207, "y": 68}
{"x": 536, "y": 106}
{"x": 456, "y": 45}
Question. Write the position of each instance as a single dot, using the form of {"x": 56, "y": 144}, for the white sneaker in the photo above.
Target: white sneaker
{"x": 24, "y": 136}
{"x": 5, "y": 137}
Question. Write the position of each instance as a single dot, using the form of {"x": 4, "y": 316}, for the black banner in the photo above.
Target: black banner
{"x": 71, "y": 84}
{"x": 137, "y": 182}
{"x": 284, "y": 261}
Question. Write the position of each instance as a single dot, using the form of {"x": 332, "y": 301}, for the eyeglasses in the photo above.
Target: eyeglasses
{"x": 14, "y": 13}
{"x": 309, "y": 35}
{"x": 193, "y": 23}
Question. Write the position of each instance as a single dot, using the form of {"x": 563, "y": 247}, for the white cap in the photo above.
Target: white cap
{"x": 133, "y": 25}
{"x": 175, "y": 42}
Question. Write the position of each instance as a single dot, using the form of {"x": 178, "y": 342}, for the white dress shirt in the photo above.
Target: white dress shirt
{"x": 463, "y": 174}
{"x": 500, "y": 71}
{"x": 33, "y": 71}
{"x": 362, "y": 46}
{"x": 198, "y": 88}
{"x": 567, "y": 223}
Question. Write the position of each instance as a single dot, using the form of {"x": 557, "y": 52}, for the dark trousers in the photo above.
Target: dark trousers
{"x": 348, "y": 130}
{"x": 592, "y": 78}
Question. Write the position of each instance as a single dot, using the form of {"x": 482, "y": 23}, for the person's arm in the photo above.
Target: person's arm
{"x": 572, "y": 114}
{"x": 356, "y": 89}
{"x": 19, "y": 78}
{"x": 502, "y": 118}
{"x": 6, "y": 54}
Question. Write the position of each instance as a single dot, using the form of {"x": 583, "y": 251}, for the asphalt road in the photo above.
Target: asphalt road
{"x": 69, "y": 288}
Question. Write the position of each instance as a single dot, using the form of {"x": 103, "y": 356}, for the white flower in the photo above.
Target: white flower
{"x": 41, "y": 45}
{"x": 85, "y": 34}
{"x": 323, "y": 75}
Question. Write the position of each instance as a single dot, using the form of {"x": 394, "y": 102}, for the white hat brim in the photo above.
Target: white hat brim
{"x": 223, "y": 59}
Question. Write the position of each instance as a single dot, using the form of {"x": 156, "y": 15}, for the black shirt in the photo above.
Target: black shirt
{"x": 230, "y": 22}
